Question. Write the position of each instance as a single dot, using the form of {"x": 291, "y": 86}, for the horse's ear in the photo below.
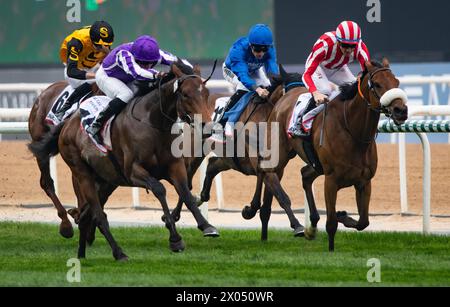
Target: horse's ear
{"x": 177, "y": 71}
{"x": 197, "y": 70}
{"x": 385, "y": 62}
{"x": 368, "y": 65}
{"x": 283, "y": 72}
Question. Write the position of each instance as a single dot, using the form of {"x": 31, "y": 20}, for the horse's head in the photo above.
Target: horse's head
{"x": 192, "y": 94}
{"x": 384, "y": 93}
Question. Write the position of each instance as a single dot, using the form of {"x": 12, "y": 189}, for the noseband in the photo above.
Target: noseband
{"x": 380, "y": 108}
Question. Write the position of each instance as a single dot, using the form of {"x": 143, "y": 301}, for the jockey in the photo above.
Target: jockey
{"x": 80, "y": 52}
{"x": 125, "y": 64}
{"x": 326, "y": 67}
{"x": 250, "y": 60}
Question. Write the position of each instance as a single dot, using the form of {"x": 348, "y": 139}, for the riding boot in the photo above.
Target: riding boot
{"x": 297, "y": 129}
{"x": 79, "y": 93}
{"x": 114, "y": 107}
{"x": 231, "y": 103}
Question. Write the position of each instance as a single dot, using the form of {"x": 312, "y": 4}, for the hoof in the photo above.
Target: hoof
{"x": 310, "y": 233}
{"x": 341, "y": 216}
{"x": 248, "y": 213}
{"x": 210, "y": 231}
{"x": 197, "y": 200}
{"x": 75, "y": 214}
{"x": 204, "y": 197}
{"x": 122, "y": 258}
{"x": 176, "y": 217}
{"x": 66, "y": 230}
{"x": 299, "y": 231}
{"x": 177, "y": 247}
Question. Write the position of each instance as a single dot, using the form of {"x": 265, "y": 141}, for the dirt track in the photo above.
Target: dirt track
{"x": 19, "y": 183}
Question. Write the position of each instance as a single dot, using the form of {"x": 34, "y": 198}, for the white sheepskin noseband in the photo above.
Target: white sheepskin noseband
{"x": 391, "y": 95}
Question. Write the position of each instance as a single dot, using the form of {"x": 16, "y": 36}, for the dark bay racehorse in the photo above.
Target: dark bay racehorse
{"x": 38, "y": 128}
{"x": 141, "y": 155}
{"x": 348, "y": 154}
{"x": 256, "y": 112}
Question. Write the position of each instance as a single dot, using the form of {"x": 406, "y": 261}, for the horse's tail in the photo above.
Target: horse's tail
{"x": 48, "y": 145}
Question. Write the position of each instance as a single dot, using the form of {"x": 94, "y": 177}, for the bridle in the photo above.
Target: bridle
{"x": 380, "y": 109}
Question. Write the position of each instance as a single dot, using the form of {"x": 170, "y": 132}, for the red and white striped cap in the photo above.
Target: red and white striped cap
{"x": 348, "y": 32}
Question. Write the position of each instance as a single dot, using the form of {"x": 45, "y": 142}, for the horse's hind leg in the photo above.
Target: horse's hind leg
{"x": 87, "y": 186}
{"x": 309, "y": 174}
{"x": 249, "y": 212}
{"x": 265, "y": 212}
{"x": 46, "y": 181}
{"x": 216, "y": 165}
{"x": 272, "y": 181}
{"x": 363, "y": 193}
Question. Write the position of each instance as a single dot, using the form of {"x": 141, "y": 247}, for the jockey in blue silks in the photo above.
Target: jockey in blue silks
{"x": 250, "y": 61}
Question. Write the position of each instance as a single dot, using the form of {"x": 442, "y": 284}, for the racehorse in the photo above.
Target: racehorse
{"x": 141, "y": 155}
{"x": 343, "y": 138}
{"x": 257, "y": 111}
{"x": 38, "y": 128}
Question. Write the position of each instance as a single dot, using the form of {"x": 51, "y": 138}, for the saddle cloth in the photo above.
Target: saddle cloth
{"x": 89, "y": 110}
{"x": 51, "y": 119}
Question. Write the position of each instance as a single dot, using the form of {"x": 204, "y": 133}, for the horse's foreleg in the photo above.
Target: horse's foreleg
{"x": 363, "y": 193}
{"x": 215, "y": 166}
{"x": 308, "y": 176}
{"x": 177, "y": 174}
{"x": 330, "y": 201}
{"x": 191, "y": 170}
{"x": 249, "y": 212}
{"x": 265, "y": 212}
{"x": 362, "y": 200}
{"x": 141, "y": 178}
{"x": 46, "y": 181}
{"x": 272, "y": 181}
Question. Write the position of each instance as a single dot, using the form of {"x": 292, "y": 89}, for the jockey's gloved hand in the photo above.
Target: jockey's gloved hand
{"x": 319, "y": 97}
{"x": 262, "y": 92}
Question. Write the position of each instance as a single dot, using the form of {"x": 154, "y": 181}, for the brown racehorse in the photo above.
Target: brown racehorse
{"x": 38, "y": 128}
{"x": 348, "y": 154}
{"x": 141, "y": 155}
{"x": 258, "y": 112}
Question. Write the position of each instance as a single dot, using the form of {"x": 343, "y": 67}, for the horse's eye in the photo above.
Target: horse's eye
{"x": 376, "y": 85}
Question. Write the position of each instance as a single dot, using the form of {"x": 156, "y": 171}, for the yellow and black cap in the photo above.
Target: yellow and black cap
{"x": 102, "y": 33}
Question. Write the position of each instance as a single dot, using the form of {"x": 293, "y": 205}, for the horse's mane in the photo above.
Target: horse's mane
{"x": 349, "y": 90}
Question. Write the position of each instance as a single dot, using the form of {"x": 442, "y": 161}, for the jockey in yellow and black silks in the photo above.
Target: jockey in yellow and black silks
{"x": 82, "y": 52}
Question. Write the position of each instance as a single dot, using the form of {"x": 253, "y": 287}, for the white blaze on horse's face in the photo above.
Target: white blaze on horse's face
{"x": 200, "y": 88}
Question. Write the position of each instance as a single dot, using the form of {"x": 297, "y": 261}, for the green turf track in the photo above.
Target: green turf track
{"x": 36, "y": 255}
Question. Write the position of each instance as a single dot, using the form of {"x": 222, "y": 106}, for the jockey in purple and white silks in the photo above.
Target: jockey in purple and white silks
{"x": 125, "y": 64}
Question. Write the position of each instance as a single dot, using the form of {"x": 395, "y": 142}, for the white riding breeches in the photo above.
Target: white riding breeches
{"x": 328, "y": 81}
{"x": 75, "y": 83}
{"x": 113, "y": 87}
{"x": 259, "y": 76}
